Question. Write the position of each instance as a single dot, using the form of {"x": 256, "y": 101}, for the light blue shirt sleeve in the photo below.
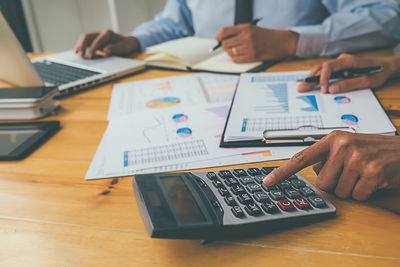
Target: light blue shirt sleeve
{"x": 175, "y": 21}
{"x": 352, "y": 25}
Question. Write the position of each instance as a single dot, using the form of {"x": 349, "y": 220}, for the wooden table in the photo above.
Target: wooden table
{"x": 51, "y": 216}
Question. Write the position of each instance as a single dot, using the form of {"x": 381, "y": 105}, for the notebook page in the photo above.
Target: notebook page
{"x": 191, "y": 50}
{"x": 223, "y": 63}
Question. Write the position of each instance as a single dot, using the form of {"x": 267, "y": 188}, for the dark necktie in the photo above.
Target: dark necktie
{"x": 243, "y": 11}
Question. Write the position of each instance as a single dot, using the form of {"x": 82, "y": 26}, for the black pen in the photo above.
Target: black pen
{"x": 345, "y": 74}
{"x": 253, "y": 22}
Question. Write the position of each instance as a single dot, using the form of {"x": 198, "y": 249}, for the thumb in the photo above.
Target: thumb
{"x": 118, "y": 49}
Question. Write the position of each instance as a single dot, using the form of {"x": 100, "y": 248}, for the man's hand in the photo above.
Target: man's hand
{"x": 109, "y": 42}
{"x": 348, "y": 164}
{"x": 346, "y": 61}
{"x": 248, "y": 43}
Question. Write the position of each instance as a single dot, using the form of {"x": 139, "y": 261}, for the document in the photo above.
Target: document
{"x": 165, "y": 93}
{"x": 270, "y": 101}
{"x": 175, "y": 139}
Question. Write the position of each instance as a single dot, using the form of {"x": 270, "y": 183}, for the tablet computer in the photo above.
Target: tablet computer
{"x": 18, "y": 140}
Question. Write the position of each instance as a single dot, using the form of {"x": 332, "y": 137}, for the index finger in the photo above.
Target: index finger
{"x": 299, "y": 161}
{"x": 226, "y": 32}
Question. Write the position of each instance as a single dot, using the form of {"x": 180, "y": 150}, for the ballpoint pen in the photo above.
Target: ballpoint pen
{"x": 345, "y": 74}
{"x": 253, "y": 22}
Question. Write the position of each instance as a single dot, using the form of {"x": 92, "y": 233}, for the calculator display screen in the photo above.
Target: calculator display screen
{"x": 182, "y": 200}
{"x": 10, "y": 140}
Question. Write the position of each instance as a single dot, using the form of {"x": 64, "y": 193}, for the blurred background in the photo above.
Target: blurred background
{"x": 54, "y": 25}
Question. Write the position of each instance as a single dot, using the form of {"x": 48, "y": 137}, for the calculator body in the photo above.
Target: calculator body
{"x": 227, "y": 204}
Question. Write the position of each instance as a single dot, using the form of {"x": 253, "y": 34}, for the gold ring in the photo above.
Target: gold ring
{"x": 234, "y": 52}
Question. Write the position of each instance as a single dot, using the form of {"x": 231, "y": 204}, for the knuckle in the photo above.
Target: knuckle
{"x": 299, "y": 158}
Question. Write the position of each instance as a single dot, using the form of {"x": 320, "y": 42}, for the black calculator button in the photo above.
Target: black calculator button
{"x": 237, "y": 211}
{"x": 201, "y": 182}
{"x": 246, "y": 180}
{"x": 231, "y": 181}
{"x": 267, "y": 170}
{"x": 239, "y": 172}
{"x": 223, "y": 191}
{"x": 285, "y": 185}
{"x": 294, "y": 176}
{"x": 253, "y": 209}
{"x": 292, "y": 193}
{"x": 225, "y": 174}
{"x": 217, "y": 183}
{"x": 302, "y": 203}
{"x": 259, "y": 178}
{"x": 269, "y": 188}
{"x": 253, "y": 171}
{"x": 285, "y": 205}
{"x": 306, "y": 191}
{"x": 269, "y": 207}
{"x": 211, "y": 176}
{"x": 276, "y": 195}
{"x": 317, "y": 201}
{"x": 245, "y": 198}
{"x": 261, "y": 197}
{"x": 230, "y": 201}
{"x": 253, "y": 188}
{"x": 298, "y": 183}
{"x": 237, "y": 189}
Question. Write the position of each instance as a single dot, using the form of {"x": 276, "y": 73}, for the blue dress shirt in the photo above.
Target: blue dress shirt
{"x": 325, "y": 27}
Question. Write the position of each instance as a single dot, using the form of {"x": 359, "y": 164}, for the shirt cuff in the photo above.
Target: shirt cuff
{"x": 145, "y": 40}
{"x": 311, "y": 42}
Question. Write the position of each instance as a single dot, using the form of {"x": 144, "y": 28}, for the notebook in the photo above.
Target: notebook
{"x": 267, "y": 110}
{"x": 193, "y": 54}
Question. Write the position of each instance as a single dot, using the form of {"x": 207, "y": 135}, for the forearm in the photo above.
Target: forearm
{"x": 353, "y": 27}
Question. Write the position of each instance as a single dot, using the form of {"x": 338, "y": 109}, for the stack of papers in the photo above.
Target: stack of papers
{"x": 171, "y": 124}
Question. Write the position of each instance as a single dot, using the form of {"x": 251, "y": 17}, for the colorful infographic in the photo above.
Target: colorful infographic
{"x": 184, "y": 132}
{"x": 178, "y": 118}
{"x": 342, "y": 99}
{"x": 310, "y": 101}
{"x": 163, "y": 102}
{"x": 349, "y": 119}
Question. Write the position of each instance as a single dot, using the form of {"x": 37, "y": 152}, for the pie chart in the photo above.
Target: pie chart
{"x": 180, "y": 118}
{"x": 342, "y": 99}
{"x": 349, "y": 119}
{"x": 163, "y": 102}
{"x": 184, "y": 132}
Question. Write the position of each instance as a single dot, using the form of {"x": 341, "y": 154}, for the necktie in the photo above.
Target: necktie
{"x": 243, "y": 11}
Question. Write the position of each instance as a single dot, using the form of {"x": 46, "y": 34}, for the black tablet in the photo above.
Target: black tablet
{"x": 18, "y": 140}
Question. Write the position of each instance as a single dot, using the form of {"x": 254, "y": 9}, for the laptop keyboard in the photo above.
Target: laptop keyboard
{"x": 58, "y": 74}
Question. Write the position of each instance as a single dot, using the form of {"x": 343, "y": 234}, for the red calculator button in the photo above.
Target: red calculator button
{"x": 302, "y": 203}
{"x": 285, "y": 204}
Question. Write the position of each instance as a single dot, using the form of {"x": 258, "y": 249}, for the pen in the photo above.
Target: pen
{"x": 346, "y": 74}
{"x": 253, "y": 22}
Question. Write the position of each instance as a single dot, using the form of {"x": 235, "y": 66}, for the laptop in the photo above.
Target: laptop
{"x": 66, "y": 70}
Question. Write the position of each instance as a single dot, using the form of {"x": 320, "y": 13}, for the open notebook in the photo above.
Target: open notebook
{"x": 192, "y": 53}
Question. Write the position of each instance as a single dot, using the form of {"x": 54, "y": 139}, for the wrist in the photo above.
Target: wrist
{"x": 133, "y": 43}
{"x": 291, "y": 42}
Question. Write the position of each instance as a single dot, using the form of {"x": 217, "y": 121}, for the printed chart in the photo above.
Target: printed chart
{"x": 342, "y": 100}
{"x": 163, "y": 102}
{"x": 184, "y": 132}
{"x": 178, "y": 118}
{"x": 309, "y": 103}
{"x": 349, "y": 119}
{"x": 177, "y": 151}
{"x": 276, "y": 99}
{"x": 259, "y": 125}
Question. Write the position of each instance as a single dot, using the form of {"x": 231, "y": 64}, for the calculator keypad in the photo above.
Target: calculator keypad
{"x": 243, "y": 190}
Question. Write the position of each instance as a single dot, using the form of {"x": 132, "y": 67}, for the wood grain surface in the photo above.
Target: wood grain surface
{"x": 51, "y": 216}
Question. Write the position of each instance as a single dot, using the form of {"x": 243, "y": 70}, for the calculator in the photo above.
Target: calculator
{"x": 227, "y": 204}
